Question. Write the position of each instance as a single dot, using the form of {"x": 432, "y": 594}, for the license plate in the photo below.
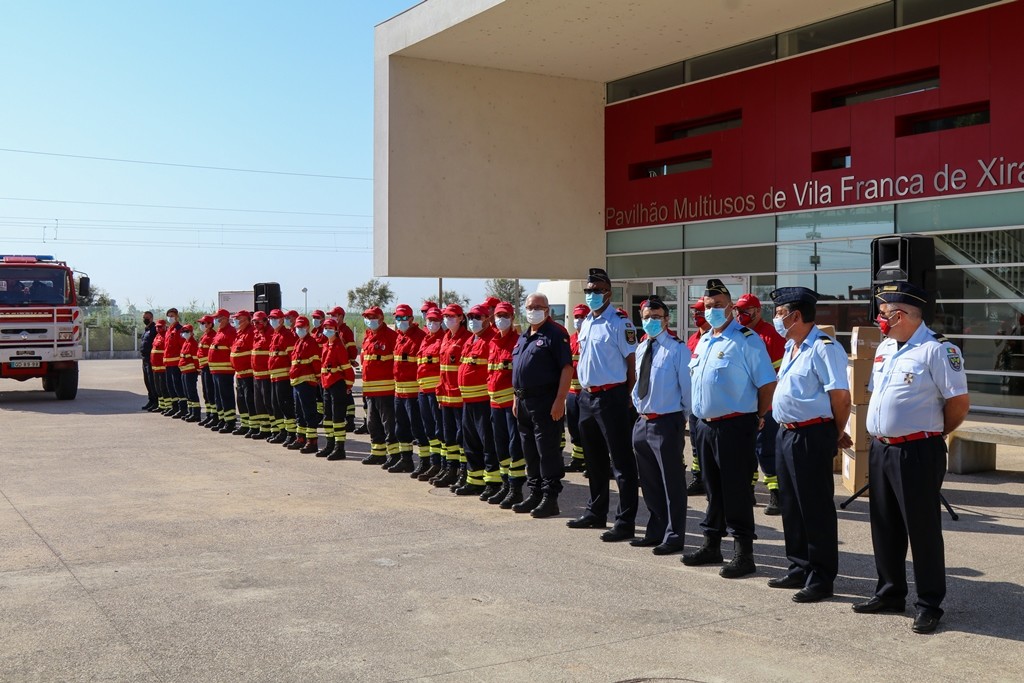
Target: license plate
{"x": 24, "y": 364}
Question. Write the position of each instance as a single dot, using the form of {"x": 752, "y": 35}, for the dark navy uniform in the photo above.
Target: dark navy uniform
{"x": 537, "y": 362}
{"x": 145, "y": 347}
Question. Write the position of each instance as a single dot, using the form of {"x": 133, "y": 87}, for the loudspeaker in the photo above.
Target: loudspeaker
{"x": 904, "y": 257}
{"x": 267, "y": 296}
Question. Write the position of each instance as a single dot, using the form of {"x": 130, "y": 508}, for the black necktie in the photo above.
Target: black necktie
{"x": 644, "y": 383}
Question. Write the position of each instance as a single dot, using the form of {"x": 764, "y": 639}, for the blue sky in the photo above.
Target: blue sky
{"x": 254, "y": 85}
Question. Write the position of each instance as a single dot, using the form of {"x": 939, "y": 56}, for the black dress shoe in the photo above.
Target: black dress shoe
{"x": 812, "y": 594}
{"x": 616, "y": 534}
{"x": 587, "y": 522}
{"x": 876, "y": 605}
{"x": 644, "y": 542}
{"x": 926, "y": 621}
{"x": 788, "y": 581}
{"x": 667, "y": 548}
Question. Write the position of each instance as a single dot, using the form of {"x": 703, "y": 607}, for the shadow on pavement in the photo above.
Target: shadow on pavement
{"x": 88, "y": 402}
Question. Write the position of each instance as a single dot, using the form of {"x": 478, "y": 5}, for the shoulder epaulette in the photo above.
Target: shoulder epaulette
{"x": 939, "y": 337}
{"x": 825, "y": 339}
{"x": 746, "y": 331}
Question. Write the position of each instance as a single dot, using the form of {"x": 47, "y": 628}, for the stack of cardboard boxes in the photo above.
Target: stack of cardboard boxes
{"x": 854, "y": 461}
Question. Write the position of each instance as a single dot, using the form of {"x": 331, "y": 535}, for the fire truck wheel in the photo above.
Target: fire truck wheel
{"x": 50, "y": 383}
{"x": 67, "y": 384}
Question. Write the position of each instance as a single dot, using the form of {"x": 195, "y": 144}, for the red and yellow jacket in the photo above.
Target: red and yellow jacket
{"x": 448, "y": 394}
{"x": 473, "y": 371}
{"x": 407, "y": 347}
{"x": 428, "y": 362}
{"x": 378, "y": 361}
{"x": 220, "y": 352}
{"x": 349, "y": 338}
{"x": 156, "y": 354}
{"x": 205, "y": 343}
{"x": 574, "y": 348}
{"x": 305, "y": 367}
{"x": 336, "y": 366}
{"x": 172, "y": 345}
{"x": 261, "y": 352}
{"x": 282, "y": 342}
{"x": 189, "y": 362}
{"x": 241, "y": 352}
{"x": 499, "y": 366}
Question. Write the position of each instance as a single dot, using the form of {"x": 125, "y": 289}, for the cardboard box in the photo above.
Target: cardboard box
{"x": 864, "y": 341}
{"x": 857, "y": 428}
{"x": 830, "y": 330}
{"x": 855, "y": 470}
{"x": 858, "y": 374}
{"x": 837, "y": 462}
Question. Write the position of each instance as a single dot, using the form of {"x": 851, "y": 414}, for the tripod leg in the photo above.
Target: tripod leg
{"x": 855, "y": 496}
{"x": 949, "y": 508}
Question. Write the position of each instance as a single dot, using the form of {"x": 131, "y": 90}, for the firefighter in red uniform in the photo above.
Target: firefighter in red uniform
{"x": 223, "y": 373}
{"x": 172, "y": 355}
{"x": 572, "y": 406}
{"x": 408, "y": 424}
{"x": 259, "y": 422}
{"x": 507, "y": 443}
{"x": 483, "y": 471}
{"x": 282, "y": 342}
{"x": 206, "y": 335}
{"x": 304, "y": 375}
{"x": 428, "y": 377}
{"x": 348, "y": 337}
{"x": 450, "y": 398}
{"x": 696, "y": 485}
{"x": 748, "y": 314}
{"x": 156, "y": 361}
{"x": 378, "y": 360}
{"x": 241, "y": 362}
{"x": 316, "y": 331}
{"x": 336, "y": 377}
{"x": 189, "y": 366}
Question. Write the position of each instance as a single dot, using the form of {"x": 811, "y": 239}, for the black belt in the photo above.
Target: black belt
{"x": 531, "y": 392}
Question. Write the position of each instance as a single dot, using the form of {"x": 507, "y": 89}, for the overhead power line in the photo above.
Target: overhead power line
{"x": 166, "y": 163}
{"x": 184, "y": 208}
{"x": 233, "y": 247}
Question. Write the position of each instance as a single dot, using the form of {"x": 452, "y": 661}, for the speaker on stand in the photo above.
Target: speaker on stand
{"x": 904, "y": 257}
{"x": 267, "y": 296}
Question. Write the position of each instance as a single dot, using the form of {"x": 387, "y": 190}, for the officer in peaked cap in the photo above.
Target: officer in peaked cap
{"x": 811, "y": 404}
{"x": 918, "y": 395}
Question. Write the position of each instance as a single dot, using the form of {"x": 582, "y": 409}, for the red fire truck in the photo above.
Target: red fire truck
{"x": 40, "y": 322}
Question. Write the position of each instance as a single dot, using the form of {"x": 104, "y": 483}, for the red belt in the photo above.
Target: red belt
{"x": 916, "y": 436}
{"x": 725, "y": 417}
{"x": 603, "y": 387}
{"x": 805, "y": 423}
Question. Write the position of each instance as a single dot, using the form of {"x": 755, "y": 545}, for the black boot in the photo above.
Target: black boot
{"x": 548, "y": 507}
{"x": 254, "y": 433}
{"x": 338, "y": 453}
{"x": 500, "y": 494}
{"x": 449, "y": 476}
{"x": 361, "y": 429}
{"x": 309, "y": 448}
{"x": 514, "y": 495}
{"x": 326, "y": 450}
{"x": 391, "y": 461}
{"x": 529, "y": 504}
{"x": 461, "y": 481}
{"x": 289, "y": 440}
{"x": 194, "y": 417}
{"x": 696, "y": 485}
{"x": 240, "y": 431}
{"x": 297, "y": 444}
{"x": 215, "y": 425}
{"x": 468, "y": 489}
{"x": 228, "y": 428}
{"x": 575, "y": 465}
{"x": 422, "y": 465}
{"x": 403, "y": 465}
{"x": 432, "y": 471}
{"x": 373, "y": 459}
{"x": 280, "y": 437}
{"x": 772, "y": 508}
{"x": 709, "y": 553}
{"x": 350, "y": 425}
{"x": 742, "y": 562}
{"x": 490, "y": 490}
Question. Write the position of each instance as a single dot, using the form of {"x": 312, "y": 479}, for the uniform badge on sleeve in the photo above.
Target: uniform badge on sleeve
{"x": 908, "y": 378}
{"x": 954, "y": 359}
{"x": 631, "y": 336}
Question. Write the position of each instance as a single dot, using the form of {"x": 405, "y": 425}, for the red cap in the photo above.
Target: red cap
{"x": 302, "y": 321}
{"x": 276, "y": 313}
{"x": 243, "y": 314}
{"x": 161, "y": 323}
{"x": 481, "y": 310}
{"x": 433, "y": 314}
{"x": 453, "y": 309}
{"x": 259, "y": 315}
{"x": 581, "y": 309}
{"x": 427, "y": 305}
{"x": 206, "y": 320}
{"x": 222, "y": 313}
{"x": 403, "y": 309}
{"x": 330, "y": 324}
{"x": 337, "y": 310}
{"x": 318, "y": 314}
{"x": 373, "y": 312}
{"x": 748, "y": 301}
{"x": 491, "y": 302}
{"x": 186, "y": 328}
{"x": 698, "y": 306}
{"x": 504, "y": 307}
{"x": 292, "y": 314}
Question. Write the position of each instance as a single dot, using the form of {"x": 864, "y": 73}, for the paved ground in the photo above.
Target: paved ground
{"x": 137, "y": 548}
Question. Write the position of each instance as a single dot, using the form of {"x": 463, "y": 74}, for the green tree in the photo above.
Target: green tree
{"x": 450, "y": 296}
{"x": 373, "y": 293}
{"x": 508, "y": 290}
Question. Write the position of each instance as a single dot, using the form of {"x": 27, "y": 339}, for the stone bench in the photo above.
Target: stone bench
{"x": 973, "y": 449}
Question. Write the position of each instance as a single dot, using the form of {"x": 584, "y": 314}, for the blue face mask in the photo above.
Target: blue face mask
{"x": 594, "y": 300}
{"x": 652, "y": 327}
{"x": 716, "y": 317}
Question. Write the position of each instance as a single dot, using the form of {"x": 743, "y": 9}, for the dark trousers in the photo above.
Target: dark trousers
{"x": 659, "y": 446}
{"x": 173, "y": 379}
{"x": 430, "y": 416}
{"x": 262, "y": 400}
{"x": 208, "y": 391}
{"x": 283, "y": 405}
{"x": 542, "y": 444}
{"x": 147, "y": 377}
{"x": 159, "y": 384}
{"x": 695, "y": 459}
{"x": 478, "y": 439}
{"x": 380, "y": 420}
{"x": 408, "y": 423}
{"x": 224, "y": 385}
{"x": 803, "y": 459}
{"x": 508, "y": 445}
{"x": 304, "y": 396}
{"x": 606, "y": 432}
{"x": 572, "y": 421}
{"x": 335, "y": 405}
{"x": 727, "y": 458}
{"x": 189, "y": 386}
{"x": 905, "y": 482}
{"x": 246, "y": 400}
{"x": 452, "y": 419}
{"x": 764, "y": 449}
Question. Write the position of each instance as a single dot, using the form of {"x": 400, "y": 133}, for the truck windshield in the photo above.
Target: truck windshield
{"x": 27, "y": 286}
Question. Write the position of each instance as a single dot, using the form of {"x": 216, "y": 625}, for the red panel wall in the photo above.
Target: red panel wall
{"x": 765, "y": 165}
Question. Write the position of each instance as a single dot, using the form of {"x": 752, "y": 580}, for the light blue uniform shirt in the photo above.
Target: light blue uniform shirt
{"x": 726, "y": 371}
{"x": 804, "y": 381}
{"x": 606, "y": 342}
{"x": 669, "y": 390}
{"x": 910, "y": 386}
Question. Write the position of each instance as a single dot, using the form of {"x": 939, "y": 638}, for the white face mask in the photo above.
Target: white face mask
{"x": 301, "y": 332}
{"x": 577, "y": 323}
{"x": 433, "y": 326}
{"x": 186, "y": 335}
{"x": 317, "y": 322}
{"x": 275, "y": 323}
{"x": 503, "y": 323}
{"x": 288, "y": 322}
{"x": 371, "y": 323}
{"x": 217, "y": 321}
{"x": 536, "y": 317}
{"x": 403, "y": 325}
{"x": 171, "y": 320}
{"x": 234, "y": 324}
{"x": 329, "y": 333}
{"x": 476, "y": 326}
{"x": 451, "y": 323}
